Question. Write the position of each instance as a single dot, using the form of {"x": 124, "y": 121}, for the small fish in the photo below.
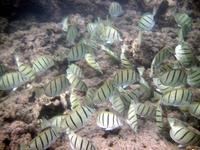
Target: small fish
{"x": 159, "y": 118}
{"x": 77, "y": 83}
{"x": 132, "y": 119}
{"x": 72, "y": 33}
{"x": 167, "y": 67}
{"x": 108, "y": 120}
{"x": 75, "y": 70}
{"x": 124, "y": 61}
{"x": 11, "y": 80}
{"x": 160, "y": 57}
{"x": 56, "y": 86}
{"x": 90, "y": 97}
{"x": 184, "y": 55}
{"x": 194, "y": 109}
{"x": 177, "y": 97}
{"x": 42, "y": 63}
{"x": 74, "y": 100}
{"x": 65, "y": 24}
{"x": 90, "y": 59}
{"x": 146, "y": 22}
{"x": 79, "y": 143}
{"x": 193, "y": 77}
{"x": 182, "y": 33}
{"x": 175, "y": 77}
{"x": 110, "y": 35}
{"x": 182, "y": 19}
{"x": 78, "y": 52}
{"x": 117, "y": 104}
{"x": 54, "y": 122}
{"x": 104, "y": 92}
{"x": 160, "y": 87}
{"x": 77, "y": 118}
{"x": 128, "y": 97}
{"x": 145, "y": 110}
{"x": 43, "y": 140}
{"x": 115, "y": 9}
{"x": 27, "y": 72}
{"x": 125, "y": 77}
{"x": 91, "y": 28}
{"x": 143, "y": 92}
{"x": 182, "y": 133}
{"x": 110, "y": 53}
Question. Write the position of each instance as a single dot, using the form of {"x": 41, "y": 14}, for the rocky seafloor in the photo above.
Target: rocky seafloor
{"x": 29, "y": 38}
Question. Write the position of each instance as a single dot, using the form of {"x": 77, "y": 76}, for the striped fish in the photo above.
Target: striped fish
{"x": 182, "y": 19}
{"x": 42, "y": 63}
{"x": 143, "y": 92}
{"x": 193, "y": 78}
{"x": 11, "y": 81}
{"x": 110, "y": 53}
{"x": 145, "y": 110}
{"x": 194, "y": 109}
{"x": 75, "y": 70}
{"x": 90, "y": 59}
{"x": 74, "y": 100}
{"x": 175, "y": 77}
{"x": 115, "y": 9}
{"x": 128, "y": 97}
{"x": 56, "y": 86}
{"x": 78, "y": 52}
{"x": 160, "y": 87}
{"x": 169, "y": 66}
{"x": 43, "y": 140}
{"x": 110, "y": 35}
{"x": 132, "y": 119}
{"x": 125, "y": 63}
{"x": 146, "y": 22}
{"x": 159, "y": 118}
{"x": 65, "y": 24}
{"x": 77, "y": 118}
{"x": 104, "y": 92}
{"x": 72, "y": 33}
{"x": 117, "y": 104}
{"x": 89, "y": 97}
{"x": 77, "y": 83}
{"x": 184, "y": 54}
{"x": 27, "y": 72}
{"x": 182, "y": 33}
{"x": 125, "y": 77}
{"x": 91, "y": 28}
{"x": 54, "y": 122}
{"x": 108, "y": 120}
{"x": 182, "y": 133}
{"x": 160, "y": 57}
{"x": 177, "y": 97}
{"x": 79, "y": 143}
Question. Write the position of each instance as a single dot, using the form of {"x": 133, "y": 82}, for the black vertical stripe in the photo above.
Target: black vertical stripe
{"x": 51, "y": 135}
{"x": 41, "y": 140}
{"x": 79, "y": 116}
{"x": 72, "y": 121}
{"x": 107, "y": 119}
{"x": 81, "y": 146}
{"x": 36, "y": 144}
{"x": 76, "y": 138}
{"x": 47, "y": 138}
{"x": 85, "y": 113}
